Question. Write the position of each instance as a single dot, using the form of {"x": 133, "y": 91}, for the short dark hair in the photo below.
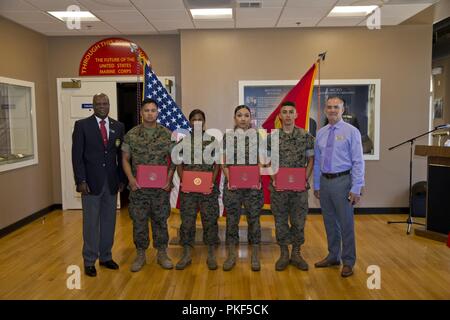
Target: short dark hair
{"x": 148, "y": 100}
{"x": 241, "y": 106}
{"x": 195, "y": 112}
{"x": 99, "y": 95}
{"x": 288, "y": 104}
{"x": 337, "y": 97}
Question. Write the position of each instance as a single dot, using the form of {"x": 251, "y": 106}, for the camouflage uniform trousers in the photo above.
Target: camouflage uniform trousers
{"x": 150, "y": 204}
{"x": 190, "y": 203}
{"x": 253, "y": 200}
{"x": 293, "y": 206}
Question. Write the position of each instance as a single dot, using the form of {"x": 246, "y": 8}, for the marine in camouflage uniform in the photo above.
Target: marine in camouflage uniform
{"x": 295, "y": 149}
{"x": 191, "y": 203}
{"x": 149, "y": 146}
{"x": 235, "y": 202}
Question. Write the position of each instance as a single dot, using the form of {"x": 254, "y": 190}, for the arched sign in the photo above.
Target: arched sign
{"x": 112, "y": 57}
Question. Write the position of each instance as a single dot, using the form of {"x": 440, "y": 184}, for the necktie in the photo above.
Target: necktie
{"x": 103, "y": 131}
{"x": 329, "y": 150}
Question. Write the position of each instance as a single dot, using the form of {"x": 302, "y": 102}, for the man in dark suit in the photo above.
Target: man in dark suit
{"x": 96, "y": 143}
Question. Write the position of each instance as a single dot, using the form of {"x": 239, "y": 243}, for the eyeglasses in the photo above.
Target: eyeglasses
{"x": 338, "y": 106}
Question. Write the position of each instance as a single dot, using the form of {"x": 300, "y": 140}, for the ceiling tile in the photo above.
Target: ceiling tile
{"x": 110, "y": 5}
{"x": 309, "y": 3}
{"x": 131, "y": 25}
{"x": 166, "y": 14}
{"x": 292, "y": 23}
{"x": 261, "y": 13}
{"x": 52, "y": 5}
{"x": 96, "y": 26}
{"x": 28, "y": 16}
{"x": 10, "y": 5}
{"x": 50, "y": 27}
{"x": 170, "y": 25}
{"x": 305, "y": 12}
{"x": 159, "y": 4}
{"x": 120, "y": 15}
{"x": 272, "y": 3}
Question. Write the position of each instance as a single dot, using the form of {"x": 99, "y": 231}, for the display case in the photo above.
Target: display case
{"x": 18, "y": 141}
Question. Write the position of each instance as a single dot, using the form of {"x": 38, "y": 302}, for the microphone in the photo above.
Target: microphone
{"x": 442, "y": 126}
{"x": 445, "y": 133}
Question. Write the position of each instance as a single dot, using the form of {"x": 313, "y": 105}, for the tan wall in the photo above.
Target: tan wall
{"x": 27, "y": 190}
{"x": 65, "y": 54}
{"x": 213, "y": 61}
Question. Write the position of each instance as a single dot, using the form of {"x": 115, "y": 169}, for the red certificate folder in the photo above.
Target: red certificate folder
{"x": 291, "y": 179}
{"x": 196, "y": 181}
{"x": 149, "y": 176}
{"x": 244, "y": 177}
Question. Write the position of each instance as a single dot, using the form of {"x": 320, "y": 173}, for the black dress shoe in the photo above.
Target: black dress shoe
{"x": 110, "y": 265}
{"x": 90, "y": 271}
{"x": 347, "y": 271}
{"x": 325, "y": 263}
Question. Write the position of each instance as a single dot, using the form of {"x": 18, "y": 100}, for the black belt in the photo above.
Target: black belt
{"x": 335, "y": 175}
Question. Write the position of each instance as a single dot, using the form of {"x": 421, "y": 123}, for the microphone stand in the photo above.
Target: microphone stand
{"x": 409, "y": 221}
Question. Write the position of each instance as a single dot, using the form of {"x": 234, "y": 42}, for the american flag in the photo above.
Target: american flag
{"x": 170, "y": 115}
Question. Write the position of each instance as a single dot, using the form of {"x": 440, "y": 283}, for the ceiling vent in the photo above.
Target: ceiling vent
{"x": 250, "y": 4}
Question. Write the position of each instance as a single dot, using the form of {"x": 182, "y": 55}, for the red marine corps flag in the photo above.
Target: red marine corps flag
{"x": 301, "y": 95}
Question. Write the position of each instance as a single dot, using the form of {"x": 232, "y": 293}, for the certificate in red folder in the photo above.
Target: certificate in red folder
{"x": 149, "y": 176}
{"x": 196, "y": 181}
{"x": 291, "y": 179}
{"x": 244, "y": 177}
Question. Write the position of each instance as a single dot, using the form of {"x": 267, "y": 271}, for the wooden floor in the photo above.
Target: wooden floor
{"x": 34, "y": 259}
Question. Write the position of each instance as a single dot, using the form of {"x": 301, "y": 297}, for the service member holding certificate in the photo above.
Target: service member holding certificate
{"x": 288, "y": 191}
{"x": 146, "y": 155}
{"x": 198, "y": 192}
{"x": 242, "y": 186}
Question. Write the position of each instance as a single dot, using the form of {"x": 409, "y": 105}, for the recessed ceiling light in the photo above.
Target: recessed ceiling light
{"x": 351, "y": 11}
{"x": 82, "y": 15}
{"x": 218, "y": 13}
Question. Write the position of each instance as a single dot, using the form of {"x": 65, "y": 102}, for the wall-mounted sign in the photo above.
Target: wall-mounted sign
{"x": 112, "y": 57}
{"x": 87, "y": 106}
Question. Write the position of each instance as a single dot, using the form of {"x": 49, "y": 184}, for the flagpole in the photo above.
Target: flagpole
{"x": 319, "y": 60}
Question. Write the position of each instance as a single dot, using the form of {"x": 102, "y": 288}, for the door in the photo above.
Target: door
{"x": 75, "y": 104}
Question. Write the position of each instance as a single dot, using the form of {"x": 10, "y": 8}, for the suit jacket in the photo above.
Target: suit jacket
{"x": 93, "y": 162}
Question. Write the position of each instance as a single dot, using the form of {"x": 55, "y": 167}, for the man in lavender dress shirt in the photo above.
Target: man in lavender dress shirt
{"x": 338, "y": 182}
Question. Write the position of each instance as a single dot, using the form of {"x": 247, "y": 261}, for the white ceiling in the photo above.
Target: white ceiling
{"x": 169, "y": 16}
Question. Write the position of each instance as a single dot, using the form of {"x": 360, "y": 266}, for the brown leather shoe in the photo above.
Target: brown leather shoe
{"x": 325, "y": 263}
{"x": 347, "y": 271}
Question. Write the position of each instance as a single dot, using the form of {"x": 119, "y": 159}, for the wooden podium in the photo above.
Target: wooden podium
{"x": 438, "y": 194}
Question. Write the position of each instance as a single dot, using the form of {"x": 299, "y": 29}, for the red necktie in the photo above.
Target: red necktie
{"x": 103, "y": 131}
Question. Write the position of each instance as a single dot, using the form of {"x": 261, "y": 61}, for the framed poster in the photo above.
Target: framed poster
{"x": 362, "y": 105}
{"x": 438, "y": 109}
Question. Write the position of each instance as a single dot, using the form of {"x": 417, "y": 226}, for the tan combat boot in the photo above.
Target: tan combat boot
{"x": 185, "y": 259}
{"x": 256, "y": 266}
{"x": 211, "y": 260}
{"x": 297, "y": 259}
{"x": 231, "y": 259}
{"x": 163, "y": 260}
{"x": 139, "y": 261}
{"x": 283, "y": 261}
